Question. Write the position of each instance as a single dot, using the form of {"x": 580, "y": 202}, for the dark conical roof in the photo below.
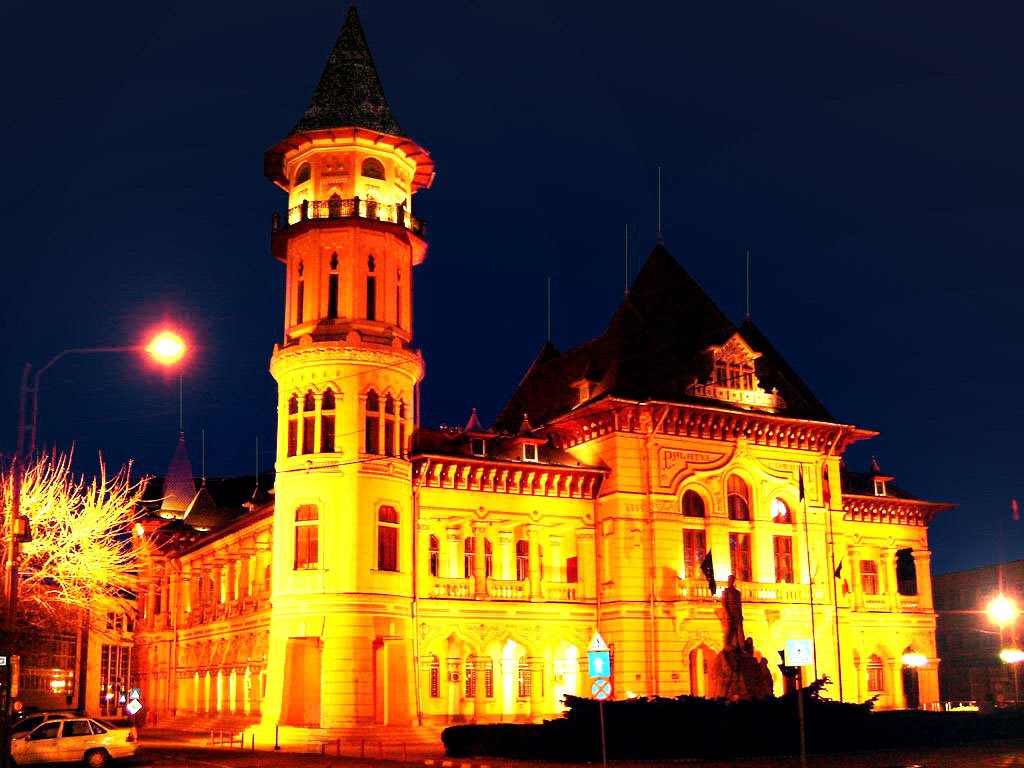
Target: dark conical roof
{"x": 179, "y": 487}
{"x": 653, "y": 349}
{"x": 349, "y": 93}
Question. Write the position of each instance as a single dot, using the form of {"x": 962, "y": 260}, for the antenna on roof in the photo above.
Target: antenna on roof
{"x": 658, "y": 233}
{"x": 202, "y": 460}
{"x": 626, "y": 262}
{"x": 748, "y": 284}
{"x": 181, "y": 404}
{"x": 549, "y": 308}
{"x": 257, "y": 461}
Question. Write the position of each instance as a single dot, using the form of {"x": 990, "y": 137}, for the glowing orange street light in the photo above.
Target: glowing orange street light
{"x": 1002, "y": 610}
{"x": 1012, "y": 655}
{"x": 166, "y": 348}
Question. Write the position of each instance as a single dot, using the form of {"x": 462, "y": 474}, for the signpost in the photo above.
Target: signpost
{"x": 798, "y": 653}
{"x": 599, "y": 666}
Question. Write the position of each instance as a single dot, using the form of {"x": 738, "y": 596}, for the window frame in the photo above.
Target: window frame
{"x": 307, "y": 538}
{"x": 387, "y": 538}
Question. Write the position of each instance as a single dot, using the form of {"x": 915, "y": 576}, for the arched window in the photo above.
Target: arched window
{"x": 333, "y": 281}
{"x": 473, "y": 665}
{"x": 373, "y": 168}
{"x": 522, "y": 560}
{"x": 435, "y": 677}
{"x": 738, "y": 498}
{"x": 327, "y": 422}
{"x": 371, "y": 290}
{"x": 307, "y": 537}
{"x": 308, "y": 417}
{"x": 469, "y": 553}
{"x": 293, "y": 425}
{"x": 693, "y": 504}
{"x": 524, "y": 679}
{"x": 372, "y": 423}
{"x": 389, "y": 426}
{"x": 304, "y": 174}
{"x": 435, "y": 555}
{"x": 387, "y": 539}
{"x": 780, "y": 511}
{"x": 876, "y": 674}
{"x": 398, "y": 298}
{"x": 300, "y": 294}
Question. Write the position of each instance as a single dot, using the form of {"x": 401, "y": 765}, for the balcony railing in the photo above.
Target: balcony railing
{"x": 752, "y": 591}
{"x": 352, "y": 208}
{"x": 502, "y": 589}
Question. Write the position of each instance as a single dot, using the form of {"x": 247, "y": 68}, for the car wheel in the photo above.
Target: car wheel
{"x": 96, "y": 758}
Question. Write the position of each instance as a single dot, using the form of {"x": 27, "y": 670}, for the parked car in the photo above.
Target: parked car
{"x": 75, "y": 740}
{"x": 28, "y": 723}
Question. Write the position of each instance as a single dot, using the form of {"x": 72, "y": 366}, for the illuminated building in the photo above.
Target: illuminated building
{"x": 405, "y": 574}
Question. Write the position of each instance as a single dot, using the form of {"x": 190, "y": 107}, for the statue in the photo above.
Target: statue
{"x": 739, "y": 672}
{"x": 732, "y": 616}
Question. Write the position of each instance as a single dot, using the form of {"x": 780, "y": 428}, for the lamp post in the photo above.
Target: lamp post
{"x": 1003, "y": 610}
{"x": 165, "y": 348}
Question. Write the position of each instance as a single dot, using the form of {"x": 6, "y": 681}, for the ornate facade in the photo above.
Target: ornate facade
{"x": 403, "y": 574}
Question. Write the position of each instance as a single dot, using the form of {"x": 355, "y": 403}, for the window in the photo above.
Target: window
{"x": 435, "y": 555}
{"x": 472, "y": 664}
{"x": 693, "y": 553}
{"x": 739, "y": 556}
{"x": 293, "y": 425}
{"x": 470, "y": 678}
{"x": 529, "y": 452}
{"x": 738, "y": 498}
{"x": 304, "y": 174}
{"x": 308, "y": 417}
{"x": 693, "y": 504}
{"x": 332, "y": 296}
{"x": 783, "y": 546}
{"x": 307, "y": 537}
{"x": 869, "y": 577}
{"x": 477, "y": 446}
{"x": 389, "y": 426}
{"x": 522, "y": 560}
{"x": 77, "y": 728}
{"x": 879, "y": 487}
{"x": 524, "y": 680}
{"x": 387, "y": 539}
{"x": 572, "y": 571}
{"x": 327, "y": 405}
{"x": 876, "y": 676}
{"x": 734, "y": 375}
{"x": 373, "y": 168}
{"x": 300, "y": 295}
{"x": 372, "y": 422}
{"x": 371, "y": 290}
{"x": 469, "y": 555}
{"x": 401, "y": 430}
{"x": 780, "y": 511}
{"x": 47, "y": 731}
{"x": 398, "y": 298}
{"x": 435, "y": 678}
{"x": 906, "y": 573}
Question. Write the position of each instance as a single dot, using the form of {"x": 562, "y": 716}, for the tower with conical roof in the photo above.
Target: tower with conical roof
{"x": 340, "y": 640}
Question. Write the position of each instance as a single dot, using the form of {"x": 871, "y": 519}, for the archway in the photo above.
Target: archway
{"x": 700, "y": 663}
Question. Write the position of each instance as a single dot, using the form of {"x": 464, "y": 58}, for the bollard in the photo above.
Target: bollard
{"x": 254, "y": 742}
{"x": 277, "y": 744}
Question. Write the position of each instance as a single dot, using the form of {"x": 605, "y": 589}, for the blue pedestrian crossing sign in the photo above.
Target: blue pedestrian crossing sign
{"x": 599, "y": 658}
{"x": 799, "y": 653}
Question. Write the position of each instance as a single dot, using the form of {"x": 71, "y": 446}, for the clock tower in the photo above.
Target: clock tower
{"x": 340, "y": 648}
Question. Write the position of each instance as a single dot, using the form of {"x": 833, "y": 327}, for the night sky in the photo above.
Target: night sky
{"x": 869, "y": 158}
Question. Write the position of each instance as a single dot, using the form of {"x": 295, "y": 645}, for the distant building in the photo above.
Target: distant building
{"x": 400, "y": 574}
{"x": 969, "y": 640}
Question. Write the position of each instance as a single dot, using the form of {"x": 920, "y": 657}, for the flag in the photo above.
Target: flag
{"x": 707, "y": 567}
{"x": 801, "y": 482}
{"x": 1015, "y": 509}
{"x": 839, "y": 569}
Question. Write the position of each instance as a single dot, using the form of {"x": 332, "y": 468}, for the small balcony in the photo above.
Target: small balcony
{"x": 353, "y": 208}
{"x": 504, "y": 589}
{"x": 752, "y": 591}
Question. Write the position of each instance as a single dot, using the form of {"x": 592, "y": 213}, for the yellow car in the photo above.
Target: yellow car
{"x": 74, "y": 740}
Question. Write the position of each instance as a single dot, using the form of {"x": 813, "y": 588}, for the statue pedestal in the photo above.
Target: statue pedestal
{"x": 738, "y": 674}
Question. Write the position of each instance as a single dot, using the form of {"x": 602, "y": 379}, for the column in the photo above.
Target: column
{"x": 923, "y": 571}
{"x": 479, "y": 563}
{"x": 537, "y": 687}
{"x": 507, "y": 553}
{"x": 454, "y": 560}
{"x": 586, "y": 572}
{"x": 533, "y": 537}
{"x": 896, "y": 676}
{"x": 888, "y": 565}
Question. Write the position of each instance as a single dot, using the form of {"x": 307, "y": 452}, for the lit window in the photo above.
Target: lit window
{"x": 293, "y": 425}
{"x": 880, "y": 488}
{"x": 469, "y": 555}
{"x": 522, "y": 560}
{"x": 739, "y": 556}
{"x": 783, "y": 546}
{"x": 869, "y": 577}
{"x": 738, "y": 498}
{"x": 373, "y": 168}
{"x": 693, "y": 553}
{"x": 307, "y": 537}
{"x": 529, "y": 452}
{"x": 387, "y": 539}
{"x": 435, "y": 555}
{"x": 401, "y": 430}
{"x": 308, "y": 417}
{"x": 693, "y": 504}
{"x": 780, "y": 511}
{"x": 327, "y": 405}
{"x": 876, "y": 674}
{"x": 304, "y": 174}
{"x": 371, "y": 290}
{"x": 372, "y": 423}
{"x": 389, "y": 426}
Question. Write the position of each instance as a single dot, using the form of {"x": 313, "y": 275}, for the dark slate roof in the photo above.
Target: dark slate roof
{"x": 178, "y": 488}
{"x": 863, "y": 484}
{"x": 652, "y": 349}
{"x": 349, "y": 93}
{"x": 457, "y": 443}
{"x": 219, "y": 501}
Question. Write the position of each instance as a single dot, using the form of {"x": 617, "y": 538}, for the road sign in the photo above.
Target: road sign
{"x": 601, "y": 688}
{"x": 599, "y": 663}
{"x": 799, "y": 653}
{"x": 598, "y": 643}
{"x": 134, "y": 694}
{"x": 133, "y": 707}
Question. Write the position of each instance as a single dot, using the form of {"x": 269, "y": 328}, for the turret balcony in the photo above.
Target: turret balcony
{"x": 352, "y": 208}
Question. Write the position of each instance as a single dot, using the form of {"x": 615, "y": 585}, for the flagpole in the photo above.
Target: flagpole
{"x": 835, "y": 597}
{"x": 810, "y": 575}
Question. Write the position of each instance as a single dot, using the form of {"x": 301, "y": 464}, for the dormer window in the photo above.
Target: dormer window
{"x": 478, "y": 446}
{"x": 529, "y": 452}
{"x": 731, "y": 378}
{"x": 582, "y": 390}
{"x": 880, "y": 488}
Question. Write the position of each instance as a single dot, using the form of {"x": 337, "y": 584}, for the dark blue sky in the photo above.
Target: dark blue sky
{"x": 869, "y": 157}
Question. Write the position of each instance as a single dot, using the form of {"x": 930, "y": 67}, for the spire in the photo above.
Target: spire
{"x": 179, "y": 487}
{"x": 474, "y": 424}
{"x": 349, "y": 93}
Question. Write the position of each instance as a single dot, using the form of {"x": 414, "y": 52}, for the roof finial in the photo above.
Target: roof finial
{"x": 549, "y": 307}
{"x": 748, "y": 284}
{"x": 625, "y": 262}
{"x": 657, "y": 234}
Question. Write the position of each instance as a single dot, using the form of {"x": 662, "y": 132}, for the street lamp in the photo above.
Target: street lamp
{"x": 1002, "y": 610}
